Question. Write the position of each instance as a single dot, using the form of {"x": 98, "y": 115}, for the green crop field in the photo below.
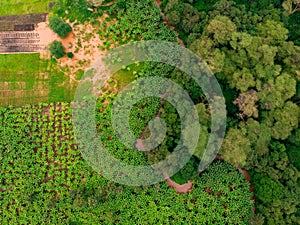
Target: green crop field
{"x": 19, "y": 7}
{"x": 27, "y": 79}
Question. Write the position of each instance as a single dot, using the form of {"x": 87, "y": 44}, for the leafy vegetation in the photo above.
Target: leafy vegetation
{"x": 79, "y": 10}
{"x": 252, "y": 47}
{"x": 44, "y": 178}
{"x": 59, "y": 26}
{"x": 57, "y": 49}
{"x": 70, "y": 55}
{"x": 248, "y": 45}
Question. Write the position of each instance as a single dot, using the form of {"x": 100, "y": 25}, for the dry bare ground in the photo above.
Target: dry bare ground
{"x": 83, "y": 42}
{"x": 86, "y": 52}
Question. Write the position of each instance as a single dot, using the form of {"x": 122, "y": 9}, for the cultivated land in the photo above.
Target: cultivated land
{"x": 27, "y": 79}
{"x": 21, "y": 7}
{"x": 31, "y": 76}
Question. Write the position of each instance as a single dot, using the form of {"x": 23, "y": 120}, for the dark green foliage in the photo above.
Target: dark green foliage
{"x": 59, "y": 26}
{"x": 295, "y": 138}
{"x": 294, "y": 155}
{"x": 293, "y": 148}
{"x": 56, "y": 49}
{"x": 247, "y": 45}
{"x": 267, "y": 190}
{"x": 70, "y": 55}
{"x": 294, "y": 27}
{"x": 188, "y": 172}
{"x": 276, "y": 183}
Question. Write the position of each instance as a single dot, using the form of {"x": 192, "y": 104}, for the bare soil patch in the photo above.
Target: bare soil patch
{"x": 84, "y": 43}
{"x": 182, "y": 189}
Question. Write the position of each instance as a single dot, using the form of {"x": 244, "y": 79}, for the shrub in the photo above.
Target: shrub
{"x": 59, "y": 26}
{"x": 57, "y": 50}
{"x": 70, "y": 55}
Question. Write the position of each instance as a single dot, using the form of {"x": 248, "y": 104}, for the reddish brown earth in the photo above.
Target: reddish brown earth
{"x": 183, "y": 189}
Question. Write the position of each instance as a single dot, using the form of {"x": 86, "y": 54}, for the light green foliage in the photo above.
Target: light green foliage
{"x": 41, "y": 163}
{"x": 261, "y": 63}
{"x": 268, "y": 54}
{"x": 240, "y": 40}
{"x": 111, "y": 141}
{"x": 21, "y": 7}
{"x": 32, "y": 80}
{"x": 44, "y": 174}
{"x": 276, "y": 91}
{"x": 291, "y": 6}
{"x": 286, "y": 120}
{"x": 221, "y": 27}
{"x": 242, "y": 80}
{"x": 274, "y": 31}
{"x": 204, "y": 48}
{"x": 133, "y": 26}
{"x": 259, "y": 135}
{"x": 236, "y": 147}
{"x": 247, "y": 45}
{"x": 78, "y": 10}
{"x": 204, "y": 120}
{"x": 211, "y": 201}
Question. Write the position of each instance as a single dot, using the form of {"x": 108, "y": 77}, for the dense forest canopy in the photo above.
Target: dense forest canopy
{"x": 252, "y": 47}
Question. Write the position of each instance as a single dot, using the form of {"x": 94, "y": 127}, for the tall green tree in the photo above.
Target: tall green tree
{"x": 59, "y": 26}
{"x": 236, "y": 147}
{"x": 57, "y": 49}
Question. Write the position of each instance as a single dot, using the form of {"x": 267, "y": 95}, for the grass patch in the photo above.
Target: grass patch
{"x": 124, "y": 77}
{"x": 20, "y": 7}
{"x": 27, "y": 79}
{"x": 20, "y": 62}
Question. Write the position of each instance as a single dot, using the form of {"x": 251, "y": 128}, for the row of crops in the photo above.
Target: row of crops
{"x": 44, "y": 178}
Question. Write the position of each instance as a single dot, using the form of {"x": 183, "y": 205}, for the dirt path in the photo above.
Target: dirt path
{"x": 185, "y": 188}
{"x": 158, "y": 2}
{"x": 83, "y": 42}
{"x": 46, "y": 37}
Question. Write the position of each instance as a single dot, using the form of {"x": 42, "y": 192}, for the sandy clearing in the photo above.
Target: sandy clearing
{"x": 85, "y": 44}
